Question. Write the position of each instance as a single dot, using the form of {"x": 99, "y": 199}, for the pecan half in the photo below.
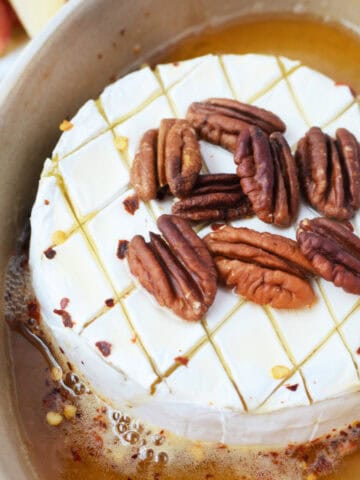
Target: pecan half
{"x": 220, "y": 120}
{"x": 329, "y": 171}
{"x": 333, "y": 250}
{"x": 268, "y": 175}
{"x": 176, "y": 269}
{"x": 264, "y": 268}
{"x": 168, "y": 156}
{"x": 143, "y": 175}
{"x": 214, "y": 197}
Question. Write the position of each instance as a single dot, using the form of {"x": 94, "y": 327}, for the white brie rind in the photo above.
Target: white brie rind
{"x": 212, "y": 380}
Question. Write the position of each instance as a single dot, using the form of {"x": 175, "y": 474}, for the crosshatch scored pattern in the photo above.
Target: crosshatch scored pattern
{"x": 276, "y": 337}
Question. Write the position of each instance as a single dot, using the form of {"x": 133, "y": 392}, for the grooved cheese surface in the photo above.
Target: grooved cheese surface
{"x": 80, "y": 212}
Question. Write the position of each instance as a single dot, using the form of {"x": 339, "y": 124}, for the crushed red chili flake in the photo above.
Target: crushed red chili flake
{"x": 109, "y": 302}
{"x": 358, "y": 351}
{"x": 64, "y": 302}
{"x": 343, "y": 84}
{"x": 50, "y": 253}
{"x": 293, "y": 388}
{"x": 122, "y": 249}
{"x": 34, "y": 310}
{"x": 98, "y": 440}
{"x": 75, "y": 454}
{"x": 104, "y": 347}
{"x": 133, "y": 339}
{"x": 66, "y": 317}
{"x": 182, "y": 360}
{"x": 217, "y": 226}
{"x": 131, "y": 204}
{"x": 46, "y": 202}
{"x": 221, "y": 446}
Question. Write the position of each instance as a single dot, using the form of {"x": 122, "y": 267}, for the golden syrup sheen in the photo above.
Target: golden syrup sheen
{"x": 324, "y": 46}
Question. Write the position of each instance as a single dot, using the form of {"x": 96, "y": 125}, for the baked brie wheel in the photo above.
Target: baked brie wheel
{"x": 245, "y": 373}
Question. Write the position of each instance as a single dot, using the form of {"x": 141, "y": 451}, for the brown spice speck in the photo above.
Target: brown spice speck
{"x": 99, "y": 56}
{"x": 34, "y": 310}
{"x": 46, "y": 202}
{"x": 66, "y": 317}
{"x": 104, "y": 347}
{"x": 131, "y": 204}
{"x": 293, "y": 388}
{"x": 133, "y": 339}
{"x": 122, "y": 32}
{"x": 109, "y": 302}
{"x": 50, "y": 253}
{"x": 136, "y": 48}
{"x": 122, "y": 249}
{"x": 182, "y": 360}
{"x": 64, "y": 302}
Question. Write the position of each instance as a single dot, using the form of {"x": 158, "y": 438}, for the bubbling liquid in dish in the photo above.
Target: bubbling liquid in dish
{"x": 99, "y": 443}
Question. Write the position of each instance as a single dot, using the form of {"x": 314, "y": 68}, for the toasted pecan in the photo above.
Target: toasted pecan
{"x": 176, "y": 269}
{"x": 220, "y": 120}
{"x": 265, "y": 268}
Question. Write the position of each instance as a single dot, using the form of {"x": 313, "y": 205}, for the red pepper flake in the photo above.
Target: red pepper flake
{"x": 104, "y": 347}
{"x": 131, "y": 204}
{"x": 64, "y": 302}
{"x": 34, "y": 310}
{"x": 122, "y": 32}
{"x": 75, "y": 454}
{"x": 293, "y": 388}
{"x": 122, "y": 249}
{"x": 175, "y": 64}
{"x": 182, "y": 360}
{"x": 66, "y": 317}
{"x": 50, "y": 253}
{"x": 46, "y": 202}
{"x": 7, "y": 22}
{"x": 221, "y": 446}
{"x": 133, "y": 339}
{"x": 358, "y": 351}
{"x": 109, "y": 302}
{"x": 98, "y": 440}
{"x": 217, "y": 226}
{"x": 343, "y": 84}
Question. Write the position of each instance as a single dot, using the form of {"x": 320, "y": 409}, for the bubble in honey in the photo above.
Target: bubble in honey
{"x": 132, "y": 437}
{"x": 162, "y": 458}
{"x": 125, "y": 419}
{"x": 116, "y": 416}
{"x": 146, "y": 454}
{"x": 79, "y": 389}
{"x": 71, "y": 379}
{"x": 122, "y": 427}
